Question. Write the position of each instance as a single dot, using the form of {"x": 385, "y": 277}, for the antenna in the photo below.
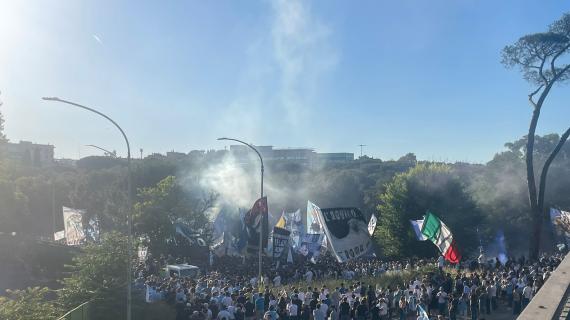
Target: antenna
{"x": 361, "y": 146}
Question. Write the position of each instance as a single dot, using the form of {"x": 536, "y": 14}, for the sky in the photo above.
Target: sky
{"x": 398, "y": 76}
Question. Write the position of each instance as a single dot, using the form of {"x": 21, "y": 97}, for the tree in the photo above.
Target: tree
{"x": 99, "y": 275}
{"x": 161, "y": 206}
{"x": 538, "y": 58}
{"x": 29, "y": 304}
{"x": 409, "y": 195}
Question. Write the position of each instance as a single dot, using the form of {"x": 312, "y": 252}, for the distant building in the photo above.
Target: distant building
{"x": 303, "y": 156}
{"x": 28, "y": 153}
{"x": 66, "y": 162}
{"x": 337, "y": 157}
{"x": 175, "y": 155}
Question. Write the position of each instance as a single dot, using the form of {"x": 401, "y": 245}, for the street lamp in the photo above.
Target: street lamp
{"x": 261, "y": 221}
{"x": 129, "y": 191}
{"x": 112, "y": 154}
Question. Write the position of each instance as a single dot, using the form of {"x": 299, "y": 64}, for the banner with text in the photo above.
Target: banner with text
{"x": 346, "y": 230}
{"x": 280, "y": 243}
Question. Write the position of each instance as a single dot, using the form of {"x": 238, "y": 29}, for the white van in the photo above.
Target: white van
{"x": 182, "y": 270}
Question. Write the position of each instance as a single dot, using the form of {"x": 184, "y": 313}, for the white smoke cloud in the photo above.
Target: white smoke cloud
{"x": 303, "y": 55}
{"x": 285, "y": 69}
{"x": 231, "y": 181}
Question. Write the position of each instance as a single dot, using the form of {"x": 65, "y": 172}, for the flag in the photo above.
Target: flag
{"x": 311, "y": 244}
{"x": 256, "y": 219}
{"x": 560, "y": 218}
{"x": 346, "y": 232}
{"x": 73, "y": 224}
{"x": 295, "y": 225}
{"x": 280, "y": 242}
{"x": 417, "y": 226}
{"x": 241, "y": 240}
{"x": 372, "y": 224}
{"x": 59, "y": 235}
{"x": 281, "y": 223}
{"x": 313, "y": 224}
{"x": 438, "y": 233}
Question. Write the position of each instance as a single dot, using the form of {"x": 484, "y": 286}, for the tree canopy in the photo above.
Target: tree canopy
{"x": 426, "y": 187}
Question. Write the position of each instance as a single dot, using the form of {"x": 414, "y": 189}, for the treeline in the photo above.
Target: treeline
{"x": 477, "y": 201}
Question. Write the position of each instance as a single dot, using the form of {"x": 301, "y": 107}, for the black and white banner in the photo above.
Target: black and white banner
{"x": 347, "y": 232}
{"x": 280, "y": 243}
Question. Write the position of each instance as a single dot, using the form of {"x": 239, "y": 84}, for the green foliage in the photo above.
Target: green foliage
{"x": 162, "y": 205}
{"x": 432, "y": 187}
{"x": 537, "y": 55}
{"x": 99, "y": 275}
{"x": 28, "y": 304}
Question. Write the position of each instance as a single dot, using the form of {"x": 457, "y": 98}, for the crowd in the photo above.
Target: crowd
{"x": 230, "y": 291}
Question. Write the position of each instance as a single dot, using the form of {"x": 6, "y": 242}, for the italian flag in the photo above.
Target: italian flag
{"x": 436, "y": 231}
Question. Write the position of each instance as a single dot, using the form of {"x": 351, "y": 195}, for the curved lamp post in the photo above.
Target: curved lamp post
{"x": 261, "y": 226}
{"x": 129, "y": 191}
{"x": 111, "y": 154}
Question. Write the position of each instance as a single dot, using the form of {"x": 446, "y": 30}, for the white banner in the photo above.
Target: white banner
{"x": 372, "y": 224}
{"x": 347, "y": 232}
{"x": 59, "y": 235}
{"x": 72, "y": 220}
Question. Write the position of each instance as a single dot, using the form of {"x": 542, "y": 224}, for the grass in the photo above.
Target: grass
{"x": 388, "y": 279}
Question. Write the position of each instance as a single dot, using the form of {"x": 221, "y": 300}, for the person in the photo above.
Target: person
{"x": 383, "y": 309}
{"x": 453, "y": 302}
{"x": 306, "y": 312}
{"x": 441, "y": 301}
{"x": 224, "y": 314}
{"x": 292, "y": 310}
{"x": 526, "y": 295}
{"x": 474, "y": 304}
{"x": 271, "y": 314}
{"x": 249, "y": 310}
{"x": 344, "y": 309}
{"x": 462, "y": 305}
{"x": 318, "y": 313}
{"x": 362, "y": 310}
{"x": 334, "y": 313}
{"x": 517, "y": 301}
{"x": 260, "y": 306}
{"x": 402, "y": 308}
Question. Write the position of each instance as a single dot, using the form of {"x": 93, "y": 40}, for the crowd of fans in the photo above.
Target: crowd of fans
{"x": 230, "y": 291}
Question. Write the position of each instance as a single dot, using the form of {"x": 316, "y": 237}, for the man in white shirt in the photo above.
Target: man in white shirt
{"x": 527, "y": 295}
{"x": 292, "y": 310}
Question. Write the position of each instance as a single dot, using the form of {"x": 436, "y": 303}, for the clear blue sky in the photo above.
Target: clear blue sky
{"x": 399, "y": 76}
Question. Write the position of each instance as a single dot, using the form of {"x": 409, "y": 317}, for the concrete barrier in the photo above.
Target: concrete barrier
{"x": 552, "y": 300}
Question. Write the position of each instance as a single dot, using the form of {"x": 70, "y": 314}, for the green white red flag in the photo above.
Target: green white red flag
{"x": 437, "y": 232}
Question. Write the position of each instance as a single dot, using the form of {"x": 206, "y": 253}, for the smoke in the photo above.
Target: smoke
{"x": 284, "y": 68}
{"x": 232, "y": 182}
{"x": 303, "y": 54}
